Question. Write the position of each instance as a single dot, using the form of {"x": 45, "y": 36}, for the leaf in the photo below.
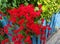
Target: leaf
{"x": 1, "y": 24}
{"x": 1, "y": 37}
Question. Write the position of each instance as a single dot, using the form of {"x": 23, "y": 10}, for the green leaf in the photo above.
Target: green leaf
{"x": 23, "y": 33}
{"x": 0, "y": 3}
{"x": 1, "y": 37}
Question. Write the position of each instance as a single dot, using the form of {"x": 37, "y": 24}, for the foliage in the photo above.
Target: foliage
{"x": 14, "y": 3}
{"x": 49, "y": 7}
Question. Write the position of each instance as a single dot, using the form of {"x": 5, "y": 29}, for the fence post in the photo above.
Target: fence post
{"x": 34, "y": 40}
{"x": 57, "y": 20}
{"x": 39, "y": 41}
{"x": 44, "y": 24}
{"x": 52, "y": 24}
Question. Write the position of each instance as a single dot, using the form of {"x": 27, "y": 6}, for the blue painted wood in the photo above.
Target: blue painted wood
{"x": 6, "y": 20}
{"x": 47, "y": 31}
{"x": 10, "y": 23}
{"x": 44, "y": 23}
{"x": 10, "y": 38}
{"x": 52, "y": 24}
{"x": 57, "y": 20}
{"x": 34, "y": 40}
{"x": 23, "y": 42}
{"x": 3, "y": 22}
{"x": 38, "y": 41}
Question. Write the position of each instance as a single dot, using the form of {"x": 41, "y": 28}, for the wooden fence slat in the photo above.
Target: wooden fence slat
{"x": 34, "y": 40}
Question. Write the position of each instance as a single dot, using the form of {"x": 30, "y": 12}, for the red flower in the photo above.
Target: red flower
{"x": 12, "y": 12}
{"x": 21, "y": 5}
{"x": 40, "y": 26}
{"x": 0, "y": 17}
{"x": 43, "y": 32}
{"x": 4, "y": 14}
{"x": 42, "y": 20}
{"x": 28, "y": 40}
{"x": 49, "y": 28}
{"x": 14, "y": 38}
{"x": 20, "y": 36}
{"x": 6, "y": 40}
{"x": 6, "y": 29}
{"x": 2, "y": 32}
{"x": 8, "y": 25}
{"x": 28, "y": 18}
{"x": 3, "y": 42}
{"x": 44, "y": 28}
{"x": 40, "y": 5}
{"x": 0, "y": 12}
{"x": 28, "y": 24}
{"x": 21, "y": 21}
{"x": 38, "y": 13}
{"x": 13, "y": 19}
{"x": 19, "y": 29}
{"x": 25, "y": 15}
{"x": 17, "y": 42}
{"x": 27, "y": 31}
{"x": 35, "y": 28}
{"x": 43, "y": 38}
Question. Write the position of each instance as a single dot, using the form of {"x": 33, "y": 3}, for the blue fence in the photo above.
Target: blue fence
{"x": 55, "y": 23}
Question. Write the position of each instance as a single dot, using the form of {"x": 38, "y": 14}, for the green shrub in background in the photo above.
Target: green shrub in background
{"x": 49, "y": 7}
{"x": 14, "y": 3}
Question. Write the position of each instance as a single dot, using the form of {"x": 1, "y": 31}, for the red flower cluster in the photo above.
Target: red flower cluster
{"x": 26, "y": 12}
{"x": 17, "y": 39}
{"x": 35, "y": 28}
{"x": 25, "y": 17}
{"x": 6, "y": 29}
{"x": 28, "y": 40}
{"x": 0, "y": 17}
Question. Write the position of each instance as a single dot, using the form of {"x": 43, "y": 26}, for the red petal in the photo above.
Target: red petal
{"x": 1, "y": 17}
{"x": 3, "y": 42}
